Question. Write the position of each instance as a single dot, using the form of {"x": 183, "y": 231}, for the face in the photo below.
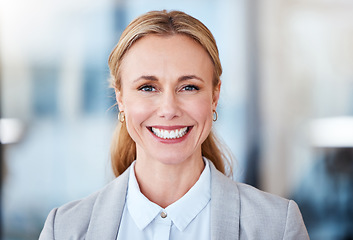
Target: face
{"x": 168, "y": 97}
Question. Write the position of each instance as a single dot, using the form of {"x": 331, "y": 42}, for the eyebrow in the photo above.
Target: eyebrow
{"x": 146, "y": 77}
{"x": 187, "y": 77}
{"x": 180, "y": 79}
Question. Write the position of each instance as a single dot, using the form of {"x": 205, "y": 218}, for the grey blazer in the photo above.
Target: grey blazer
{"x": 238, "y": 211}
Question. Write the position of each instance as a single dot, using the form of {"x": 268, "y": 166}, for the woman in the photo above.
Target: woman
{"x": 170, "y": 170}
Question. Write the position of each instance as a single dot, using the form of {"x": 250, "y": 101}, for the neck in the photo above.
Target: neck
{"x": 163, "y": 183}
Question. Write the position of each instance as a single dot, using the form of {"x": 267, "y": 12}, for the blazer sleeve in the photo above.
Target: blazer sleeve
{"x": 294, "y": 228}
{"x": 48, "y": 229}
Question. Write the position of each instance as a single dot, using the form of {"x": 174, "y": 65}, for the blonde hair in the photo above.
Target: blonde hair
{"x": 123, "y": 148}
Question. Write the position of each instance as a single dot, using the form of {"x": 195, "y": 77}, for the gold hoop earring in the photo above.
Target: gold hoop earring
{"x": 121, "y": 116}
{"x": 215, "y": 115}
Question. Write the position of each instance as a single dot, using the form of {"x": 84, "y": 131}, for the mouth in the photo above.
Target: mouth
{"x": 169, "y": 134}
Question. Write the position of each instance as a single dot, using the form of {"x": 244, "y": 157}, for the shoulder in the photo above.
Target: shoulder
{"x": 76, "y": 212}
{"x": 264, "y": 212}
{"x": 252, "y": 199}
{"x": 73, "y": 219}
{"x": 248, "y": 195}
{"x": 258, "y": 207}
{"x": 260, "y": 215}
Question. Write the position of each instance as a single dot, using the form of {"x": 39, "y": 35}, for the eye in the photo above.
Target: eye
{"x": 190, "y": 88}
{"x": 147, "y": 88}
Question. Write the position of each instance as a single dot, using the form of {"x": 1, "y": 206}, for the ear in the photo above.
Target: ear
{"x": 216, "y": 93}
{"x": 119, "y": 100}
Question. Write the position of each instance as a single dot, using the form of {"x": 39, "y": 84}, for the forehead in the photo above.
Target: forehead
{"x": 160, "y": 55}
{"x": 178, "y": 41}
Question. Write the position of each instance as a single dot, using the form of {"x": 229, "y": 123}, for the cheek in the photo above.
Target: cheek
{"x": 136, "y": 113}
{"x": 201, "y": 110}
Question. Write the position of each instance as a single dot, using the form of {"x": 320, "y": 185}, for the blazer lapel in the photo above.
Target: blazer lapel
{"x": 225, "y": 207}
{"x": 108, "y": 209}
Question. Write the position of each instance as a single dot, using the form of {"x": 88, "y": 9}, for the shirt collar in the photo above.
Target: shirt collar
{"x": 181, "y": 212}
{"x": 142, "y": 210}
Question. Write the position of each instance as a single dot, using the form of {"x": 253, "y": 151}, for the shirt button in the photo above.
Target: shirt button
{"x": 163, "y": 214}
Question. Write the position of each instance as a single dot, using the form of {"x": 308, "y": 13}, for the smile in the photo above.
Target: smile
{"x": 173, "y": 134}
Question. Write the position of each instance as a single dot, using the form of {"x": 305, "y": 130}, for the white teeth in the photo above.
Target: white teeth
{"x": 165, "y": 134}
{"x": 172, "y": 134}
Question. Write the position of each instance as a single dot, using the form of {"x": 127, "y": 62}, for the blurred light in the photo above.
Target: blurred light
{"x": 332, "y": 132}
{"x": 11, "y": 130}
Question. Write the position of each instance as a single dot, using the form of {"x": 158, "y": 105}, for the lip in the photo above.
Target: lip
{"x": 170, "y": 141}
{"x": 168, "y": 127}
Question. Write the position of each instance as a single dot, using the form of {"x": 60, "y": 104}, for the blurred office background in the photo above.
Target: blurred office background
{"x": 285, "y": 111}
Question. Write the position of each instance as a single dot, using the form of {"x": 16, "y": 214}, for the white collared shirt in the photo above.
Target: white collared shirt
{"x": 187, "y": 219}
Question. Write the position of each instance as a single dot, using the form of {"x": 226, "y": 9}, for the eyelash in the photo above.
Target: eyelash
{"x": 150, "y": 88}
{"x": 143, "y": 88}
{"x": 194, "y": 88}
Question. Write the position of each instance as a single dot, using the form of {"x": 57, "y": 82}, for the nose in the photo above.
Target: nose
{"x": 169, "y": 107}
